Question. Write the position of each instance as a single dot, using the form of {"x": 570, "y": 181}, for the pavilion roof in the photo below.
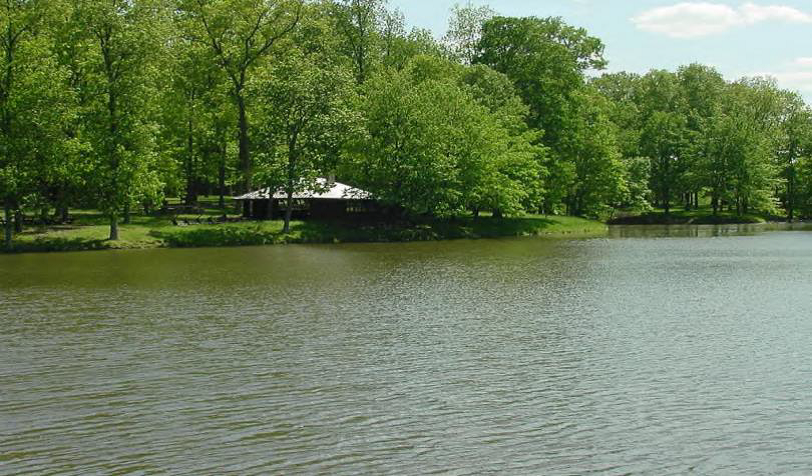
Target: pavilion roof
{"x": 324, "y": 190}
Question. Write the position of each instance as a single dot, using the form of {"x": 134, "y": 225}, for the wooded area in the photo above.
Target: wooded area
{"x": 116, "y": 104}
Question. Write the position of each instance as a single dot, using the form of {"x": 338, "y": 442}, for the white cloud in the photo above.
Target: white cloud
{"x": 797, "y": 76}
{"x": 697, "y": 19}
{"x": 753, "y": 13}
{"x": 793, "y": 80}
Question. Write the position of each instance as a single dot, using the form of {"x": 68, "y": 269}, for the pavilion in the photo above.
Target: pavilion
{"x": 327, "y": 200}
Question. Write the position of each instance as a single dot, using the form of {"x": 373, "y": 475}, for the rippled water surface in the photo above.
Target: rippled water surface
{"x": 653, "y": 353}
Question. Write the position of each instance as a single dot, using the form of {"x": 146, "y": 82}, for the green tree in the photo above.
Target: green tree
{"x": 546, "y": 59}
{"x": 702, "y": 90}
{"x": 359, "y": 23}
{"x": 465, "y": 30}
{"x": 196, "y": 116}
{"x": 739, "y": 146}
{"x": 663, "y": 137}
{"x": 432, "y": 148}
{"x": 593, "y": 157}
{"x": 519, "y": 173}
{"x": 241, "y": 35}
{"x": 795, "y": 146}
{"x": 622, "y": 90}
{"x": 757, "y": 105}
{"x": 126, "y": 38}
{"x": 35, "y": 104}
{"x": 307, "y": 105}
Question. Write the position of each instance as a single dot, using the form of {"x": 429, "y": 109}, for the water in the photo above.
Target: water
{"x": 649, "y": 352}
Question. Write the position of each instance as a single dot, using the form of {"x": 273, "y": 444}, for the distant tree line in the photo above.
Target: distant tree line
{"x": 115, "y": 104}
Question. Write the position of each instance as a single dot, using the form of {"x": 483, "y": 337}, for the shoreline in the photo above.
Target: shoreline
{"x": 160, "y": 235}
{"x": 163, "y": 235}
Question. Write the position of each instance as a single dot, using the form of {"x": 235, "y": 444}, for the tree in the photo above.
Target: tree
{"x": 358, "y": 22}
{"x": 739, "y": 146}
{"x": 702, "y": 89}
{"x": 663, "y": 135}
{"x": 663, "y": 143}
{"x": 756, "y": 105}
{"x": 307, "y": 105}
{"x": 34, "y": 106}
{"x": 125, "y": 37}
{"x": 622, "y": 89}
{"x": 196, "y": 119}
{"x": 795, "y": 140}
{"x": 241, "y": 34}
{"x": 465, "y": 30}
{"x": 546, "y": 59}
{"x": 591, "y": 149}
{"x": 517, "y": 181}
{"x": 431, "y": 148}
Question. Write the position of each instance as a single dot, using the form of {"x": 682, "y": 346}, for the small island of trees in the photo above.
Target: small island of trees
{"x": 115, "y": 105}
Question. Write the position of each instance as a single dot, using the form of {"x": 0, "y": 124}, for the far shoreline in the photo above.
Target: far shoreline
{"x": 145, "y": 232}
{"x": 150, "y": 233}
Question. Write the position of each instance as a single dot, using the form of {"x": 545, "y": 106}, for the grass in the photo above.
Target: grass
{"x": 680, "y": 216}
{"x": 90, "y": 230}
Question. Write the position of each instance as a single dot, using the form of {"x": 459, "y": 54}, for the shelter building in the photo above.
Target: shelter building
{"x": 328, "y": 199}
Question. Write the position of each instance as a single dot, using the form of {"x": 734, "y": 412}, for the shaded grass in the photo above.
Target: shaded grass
{"x": 90, "y": 232}
{"x": 263, "y": 233}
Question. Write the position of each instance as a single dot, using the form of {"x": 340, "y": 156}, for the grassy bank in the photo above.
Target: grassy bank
{"x": 89, "y": 232}
{"x": 702, "y": 216}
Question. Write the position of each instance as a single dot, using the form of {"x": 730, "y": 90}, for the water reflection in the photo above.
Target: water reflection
{"x": 702, "y": 231}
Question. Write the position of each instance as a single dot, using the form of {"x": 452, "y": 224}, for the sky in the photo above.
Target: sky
{"x": 739, "y": 38}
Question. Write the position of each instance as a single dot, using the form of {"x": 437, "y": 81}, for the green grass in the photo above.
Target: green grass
{"x": 679, "y": 216}
{"x": 90, "y": 231}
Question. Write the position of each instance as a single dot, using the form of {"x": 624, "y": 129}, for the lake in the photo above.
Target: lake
{"x": 666, "y": 350}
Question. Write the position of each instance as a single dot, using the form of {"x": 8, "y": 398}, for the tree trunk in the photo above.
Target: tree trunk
{"x": 19, "y": 218}
{"x": 222, "y": 180}
{"x": 791, "y": 198}
{"x": 245, "y": 153}
{"x": 288, "y": 211}
{"x": 8, "y": 227}
{"x": 61, "y": 213}
{"x": 497, "y": 213}
{"x": 113, "y": 227}
{"x": 127, "y": 213}
{"x": 191, "y": 193}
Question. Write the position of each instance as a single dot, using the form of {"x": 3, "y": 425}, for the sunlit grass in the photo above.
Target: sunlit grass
{"x": 679, "y": 216}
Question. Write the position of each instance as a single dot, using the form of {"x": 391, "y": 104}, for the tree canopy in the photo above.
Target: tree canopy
{"x": 117, "y": 104}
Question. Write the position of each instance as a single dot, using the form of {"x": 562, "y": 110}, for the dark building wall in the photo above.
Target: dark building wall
{"x": 315, "y": 208}
{"x": 328, "y": 208}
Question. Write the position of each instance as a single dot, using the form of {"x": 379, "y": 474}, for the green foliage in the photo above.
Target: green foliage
{"x": 308, "y": 105}
{"x": 465, "y": 30}
{"x": 122, "y": 74}
{"x": 116, "y": 104}
{"x": 432, "y": 148}
{"x": 546, "y": 59}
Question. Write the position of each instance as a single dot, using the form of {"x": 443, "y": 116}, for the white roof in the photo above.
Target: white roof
{"x": 324, "y": 191}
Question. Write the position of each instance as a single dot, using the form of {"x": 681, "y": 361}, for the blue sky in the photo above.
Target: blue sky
{"x": 738, "y": 37}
